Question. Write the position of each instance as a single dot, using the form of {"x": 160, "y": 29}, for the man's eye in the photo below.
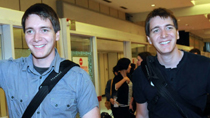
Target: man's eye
{"x": 155, "y": 30}
{"x": 169, "y": 27}
{"x": 29, "y": 31}
{"x": 45, "y": 30}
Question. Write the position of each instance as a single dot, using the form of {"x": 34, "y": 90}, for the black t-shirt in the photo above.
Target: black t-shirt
{"x": 190, "y": 79}
{"x": 40, "y": 70}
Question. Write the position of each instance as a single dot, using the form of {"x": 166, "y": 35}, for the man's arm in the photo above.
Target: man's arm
{"x": 94, "y": 113}
{"x": 141, "y": 110}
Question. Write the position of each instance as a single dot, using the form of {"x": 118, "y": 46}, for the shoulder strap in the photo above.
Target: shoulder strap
{"x": 47, "y": 86}
{"x": 157, "y": 79}
{"x": 111, "y": 87}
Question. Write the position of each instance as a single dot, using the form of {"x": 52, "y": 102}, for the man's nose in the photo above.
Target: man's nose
{"x": 37, "y": 37}
{"x": 164, "y": 33}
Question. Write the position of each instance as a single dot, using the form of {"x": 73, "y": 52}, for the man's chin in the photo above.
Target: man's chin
{"x": 38, "y": 56}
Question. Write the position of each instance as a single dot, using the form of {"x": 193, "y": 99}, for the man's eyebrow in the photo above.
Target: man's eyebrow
{"x": 40, "y": 27}
{"x": 154, "y": 28}
{"x": 170, "y": 25}
{"x": 46, "y": 27}
{"x": 159, "y": 26}
{"x": 28, "y": 28}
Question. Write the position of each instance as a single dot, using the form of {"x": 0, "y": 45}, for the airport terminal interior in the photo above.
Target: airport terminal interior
{"x": 97, "y": 33}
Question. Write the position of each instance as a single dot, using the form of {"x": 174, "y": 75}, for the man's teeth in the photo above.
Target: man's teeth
{"x": 165, "y": 42}
{"x": 39, "y": 46}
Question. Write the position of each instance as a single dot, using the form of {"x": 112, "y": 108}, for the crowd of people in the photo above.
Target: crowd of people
{"x": 172, "y": 84}
{"x": 120, "y": 96}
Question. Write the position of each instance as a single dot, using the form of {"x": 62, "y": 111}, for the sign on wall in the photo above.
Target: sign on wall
{"x": 83, "y": 62}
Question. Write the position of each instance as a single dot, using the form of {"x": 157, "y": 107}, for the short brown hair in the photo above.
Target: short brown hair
{"x": 45, "y": 12}
{"x": 163, "y": 13}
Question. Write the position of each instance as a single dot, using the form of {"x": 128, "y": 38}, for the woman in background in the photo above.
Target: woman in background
{"x": 123, "y": 86}
{"x": 142, "y": 56}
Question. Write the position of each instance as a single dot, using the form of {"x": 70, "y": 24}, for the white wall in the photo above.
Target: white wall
{"x": 103, "y": 72}
{"x": 112, "y": 61}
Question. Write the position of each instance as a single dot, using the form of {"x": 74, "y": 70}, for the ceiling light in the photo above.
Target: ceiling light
{"x": 186, "y": 24}
{"x": 193, "y": 2}
{"x": 153, "y": 5}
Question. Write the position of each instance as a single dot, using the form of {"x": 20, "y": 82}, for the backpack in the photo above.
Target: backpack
{"x": 105, "y": 115}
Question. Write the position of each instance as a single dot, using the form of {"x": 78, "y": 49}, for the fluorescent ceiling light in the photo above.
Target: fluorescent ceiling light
{"x": 193, "y": 1}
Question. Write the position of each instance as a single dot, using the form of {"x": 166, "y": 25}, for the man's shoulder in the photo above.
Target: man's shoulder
{"x": 77, "y": 72}
{"x": 197, "y": 58}
{"x": 138, "y": 71}
{"x": 138, "y": 74}
{"x": 11, "y": 61}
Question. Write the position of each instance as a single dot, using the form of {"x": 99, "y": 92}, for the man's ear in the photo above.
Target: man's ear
{"x": 177, "y": 33}
{"x": 57, "y": 35}
{"x": 150, "y": 42}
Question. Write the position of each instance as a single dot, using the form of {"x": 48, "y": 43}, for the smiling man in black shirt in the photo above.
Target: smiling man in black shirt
{"x": 185, "y": 73}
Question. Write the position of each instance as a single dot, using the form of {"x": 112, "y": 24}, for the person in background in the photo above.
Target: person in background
{"x": 133, "y": 67}
{"x": 21, "y": 78}
{"x": 185, "y": 73}
{"x": 207, "y": 108}
{"x": 195, "y": 51}
{"x": 142, "y": 56}
{"x": 123, "y": 86}
{"x": 107, "y": 90}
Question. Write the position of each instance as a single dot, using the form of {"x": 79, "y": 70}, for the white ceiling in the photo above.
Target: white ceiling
{"x": 192, "y": 17}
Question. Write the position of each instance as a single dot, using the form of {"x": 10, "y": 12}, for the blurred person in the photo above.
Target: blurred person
{"x": 123, "y": 86}
{"x": 109, "y": 94}
{"x": 133, "y": 67}
{"x": 107, "y": 90}
{"x": 207, "y": 108}
{"x": 195, "y": 51}
{"x": 142, "y": 56}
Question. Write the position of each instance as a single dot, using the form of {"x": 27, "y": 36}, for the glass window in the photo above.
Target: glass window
{"x": 81, "y": 50}
{"x": 21, "y": 48}
{"x": 137, "y": 48}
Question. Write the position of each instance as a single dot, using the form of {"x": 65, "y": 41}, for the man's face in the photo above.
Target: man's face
{"x": 40, "y": 37}
{"x": 163, "y": 34}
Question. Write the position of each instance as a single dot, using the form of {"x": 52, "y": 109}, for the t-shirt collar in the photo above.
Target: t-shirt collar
{"x": 55, "y": 63}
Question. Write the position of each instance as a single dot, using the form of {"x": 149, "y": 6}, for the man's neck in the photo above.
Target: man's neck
{"x": 43, "y": 62}
{"x": 171, "y": 60}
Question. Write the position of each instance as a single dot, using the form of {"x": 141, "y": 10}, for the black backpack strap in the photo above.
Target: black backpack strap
{"x": 157, "y": 79}
{"x": 47, "y": 86}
